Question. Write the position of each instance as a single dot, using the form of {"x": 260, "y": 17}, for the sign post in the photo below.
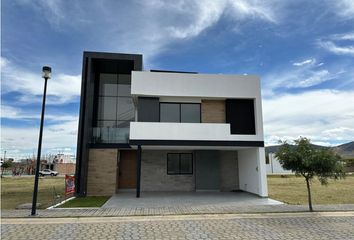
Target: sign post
{"x": 69, "y": 186}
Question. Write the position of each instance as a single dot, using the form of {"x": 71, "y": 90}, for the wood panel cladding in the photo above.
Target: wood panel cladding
{"x": 213, "y": 111}
{"x": 127, "y": 169}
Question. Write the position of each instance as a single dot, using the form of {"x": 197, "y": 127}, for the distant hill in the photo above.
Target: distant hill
{"x": 345, "y": 150}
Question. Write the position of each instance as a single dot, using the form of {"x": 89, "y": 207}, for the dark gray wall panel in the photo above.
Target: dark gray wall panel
{"x": 207, "y": 170}
{"x": 240, "y": 114}
{"x": 148, "y": 109}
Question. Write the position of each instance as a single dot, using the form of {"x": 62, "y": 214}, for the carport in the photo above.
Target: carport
{"x": 128, "y": 200}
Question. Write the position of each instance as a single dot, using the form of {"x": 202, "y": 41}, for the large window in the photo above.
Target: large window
{"x": 180, "y": 112}
{"x": 179, "y": 163}
{"x": 115, "y": 105}
{"x": 115, "y": 108}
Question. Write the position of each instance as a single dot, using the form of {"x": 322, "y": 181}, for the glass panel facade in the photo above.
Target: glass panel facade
{"x": 115, "y": 109}
{"x": 125, "y": 109}
{"x": 108, "y": 84}
{"x": 169, "y": 112}
{"x": 190, "y": 113}
{"x": 107, "y": 107}
{"x": 124, "y": 85}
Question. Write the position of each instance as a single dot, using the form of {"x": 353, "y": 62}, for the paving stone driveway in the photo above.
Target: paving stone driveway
{"x": 223, "y": 226}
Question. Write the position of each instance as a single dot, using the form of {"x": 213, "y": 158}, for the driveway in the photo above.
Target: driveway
{"x": 222, "y": 226}
{"x": 186, "y": 199}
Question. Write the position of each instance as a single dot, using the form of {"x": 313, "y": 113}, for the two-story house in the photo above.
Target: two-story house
{"x": 167, "y": 131}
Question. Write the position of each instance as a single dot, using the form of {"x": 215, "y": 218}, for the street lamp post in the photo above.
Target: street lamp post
{"x": 47, "y": 71}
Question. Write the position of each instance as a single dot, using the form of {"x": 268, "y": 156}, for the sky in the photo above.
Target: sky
{"x": 302, "y": 50}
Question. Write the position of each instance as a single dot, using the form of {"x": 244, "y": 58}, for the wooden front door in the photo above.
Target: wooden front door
{"x": 127, "y": 170}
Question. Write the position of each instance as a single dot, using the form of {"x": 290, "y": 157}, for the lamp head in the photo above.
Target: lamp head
{"x": 47, "y": 72}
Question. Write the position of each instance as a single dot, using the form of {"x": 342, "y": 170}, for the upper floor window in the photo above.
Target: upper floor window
{"x": 180, "y": 112}
{"x": 115, "y": 104}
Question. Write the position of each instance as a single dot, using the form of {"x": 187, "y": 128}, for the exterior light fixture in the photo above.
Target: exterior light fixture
{"x": 46, "y": 74}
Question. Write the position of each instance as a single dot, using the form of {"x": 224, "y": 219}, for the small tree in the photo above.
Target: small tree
{"x": 307, "y": 161}
{"x": 7, "y": 164}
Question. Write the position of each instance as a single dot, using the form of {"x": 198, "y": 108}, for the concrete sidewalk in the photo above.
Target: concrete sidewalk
{"x": 177, "y": 210}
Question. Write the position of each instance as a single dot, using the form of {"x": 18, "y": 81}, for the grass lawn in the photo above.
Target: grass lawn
{"x": 292, "y": 190}
{"x": 18, "y": 190}
{"x": 86, "y": 202}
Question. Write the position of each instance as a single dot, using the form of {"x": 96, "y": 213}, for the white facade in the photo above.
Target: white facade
{"x": 252, "y": 172}
{"x": 184, "y": 87}
{"x": 187, "y": 131}
{"x": 194, "y": 88}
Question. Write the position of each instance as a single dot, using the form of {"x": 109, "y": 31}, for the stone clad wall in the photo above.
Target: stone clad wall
{"x": 102, "y": 172}
{"x": 154, "y": 173}
{"x": 213, "y": 111}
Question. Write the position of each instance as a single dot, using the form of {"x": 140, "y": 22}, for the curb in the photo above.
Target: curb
{"x": 58, "y": 204}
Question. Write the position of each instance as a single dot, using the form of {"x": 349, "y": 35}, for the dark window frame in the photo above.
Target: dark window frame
{"x": 180, "y": 112}
{"x": 179, "y": 164}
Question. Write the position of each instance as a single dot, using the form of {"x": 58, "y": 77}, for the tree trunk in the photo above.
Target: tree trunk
{"x": 309, "y": 194}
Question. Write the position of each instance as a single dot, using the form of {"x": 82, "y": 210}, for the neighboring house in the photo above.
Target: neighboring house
{"x": 167, "y": 131}
{"x": 64, "y": 163}
{"x": 273, "y": 165}
{"x": 61, "y": 163}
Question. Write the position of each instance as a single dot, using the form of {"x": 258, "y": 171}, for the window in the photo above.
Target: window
{"x": 169, "y": 112}
{"x": 190, "y": 113}
{"x": 114, "y": 101}
{"x": 179, "y": 163}
{"x": 180, "y": 112}
{"x": 115, "y": 108}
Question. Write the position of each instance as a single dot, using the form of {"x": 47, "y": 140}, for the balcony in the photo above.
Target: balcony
{"x": 110, "y": 135}
{"x": 187, "y": 131}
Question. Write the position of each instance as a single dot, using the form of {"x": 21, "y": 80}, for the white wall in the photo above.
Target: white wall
{"x": 194, "y": 85}
{"x": 274, "y": 166}
{"x": 172, "y": 86}
{"x": 252, "y": 172}
{"x": 186, "y": 131}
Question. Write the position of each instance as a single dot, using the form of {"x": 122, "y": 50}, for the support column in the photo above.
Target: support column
{"x": 138, "y": 172}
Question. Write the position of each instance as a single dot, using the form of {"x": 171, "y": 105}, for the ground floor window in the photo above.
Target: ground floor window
{"x": 179, "y": 163}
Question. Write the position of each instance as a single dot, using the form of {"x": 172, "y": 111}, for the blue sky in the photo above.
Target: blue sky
{"x": 302, "y": 50}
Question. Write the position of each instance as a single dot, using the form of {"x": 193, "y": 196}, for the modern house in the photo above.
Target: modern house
{"x": 167, "y": 131}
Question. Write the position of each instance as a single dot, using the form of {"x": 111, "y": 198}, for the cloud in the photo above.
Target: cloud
{"x": 62, "y": 88}
{"x": 340, "y": 44}
{"x": 344, "y": 8}
{"x": 14, "y": 113}
{"x": 308, "y": 61}
{"x": 306, "y": 74}
{"x": 207, "y": 13}
{"x": 148, "y": 26}
{"x": 334, "y": 48}
{"x": 323, "y": 116}
{"x": 21, "y": 142}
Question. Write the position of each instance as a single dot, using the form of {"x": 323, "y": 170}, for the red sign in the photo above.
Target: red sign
{"x": 69, "y": 185}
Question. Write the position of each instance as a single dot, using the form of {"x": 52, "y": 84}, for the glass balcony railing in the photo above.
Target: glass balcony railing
{"x": 110, "y": 135}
